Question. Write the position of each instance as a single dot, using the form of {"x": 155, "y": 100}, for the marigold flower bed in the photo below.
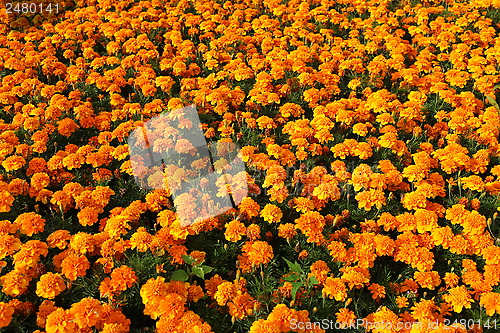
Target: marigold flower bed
{"x": 370, "y": 135}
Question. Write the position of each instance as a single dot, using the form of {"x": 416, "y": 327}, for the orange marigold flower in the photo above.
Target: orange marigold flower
{"x": 368, "y": 199}
{"x": 13, "y": 163}
{"x": 401, "y": 301}
{"x": 458, "y": 298}
{"x": 66, "y": 127}
{"x": 428, "y": 280}
{"x": 271, "y": 213}
{"x": 249, "y": 207}
{"x": 377, "y": 290}
{"x": 335, "y": 288}
{"x": 46, "y": 308}
{"x": 253, "y": 232}
{"x": 8, "y": 245}
{"x": 491, "y": 302}
{"x": 225, "y": 292}
{"x": 40, "y": 180}
{"x": 123, "y": 278}
{"x": 345, "y": 317}
{"x": 258, "y": 252}
{"x": 6, "y": 312}
{"x": 87, "y": 312}
{"x": 50, "y": 285}
{"x": 6, "y": 201}
{"x": 59, "y": 239}
{"x": 287, "y": 231}
{"x": 82, "y": 243}
{"x": 141, "y": 240}
{"x": 234, "y": 230}
{"x": 74, "y": 265}
{"x": 88, "y": 216}
{"x": 153, "y": 290}
{"x": 14, "y": 283}
{"x": 30, "y": 223}
{"x": 60, "y": 321}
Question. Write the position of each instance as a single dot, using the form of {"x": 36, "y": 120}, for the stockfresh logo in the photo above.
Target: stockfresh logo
{"x": 170, "y": 152}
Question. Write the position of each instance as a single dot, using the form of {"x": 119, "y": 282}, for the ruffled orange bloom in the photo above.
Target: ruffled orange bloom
{"x": 345, "y": 317}
{"x": 271, "y": 213}
{"x": 491, "y": 302}
{"x": 30, "y": 223}
{"x": 258, "y": 252}
{"x": 141, "y": 240}
{"x": 50, "y": 285}
{"x": 13, "y": 163}
{"x": 459, "y": 298}
{"x": 40, "y": 180}
{"x": 6, "y": 312}
{"x": 14, "y": 283}
{"x": 123, "y": 278}
{"x": 60, "y": 321}
{"x": 335, "y": 288}
{"x": 234, "y": 230}
{"x": 6, "y": 201}
{"x": 74, "y": 265}
{"x": 66, "y": 126}
{"x": 87, "y": 312}
{"x": 59, "y": 239}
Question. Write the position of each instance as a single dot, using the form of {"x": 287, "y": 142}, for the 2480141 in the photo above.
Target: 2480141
{"x": 31, "y": 8}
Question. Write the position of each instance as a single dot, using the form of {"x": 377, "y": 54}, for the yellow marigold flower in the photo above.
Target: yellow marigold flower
{"x": 50, "y": 285}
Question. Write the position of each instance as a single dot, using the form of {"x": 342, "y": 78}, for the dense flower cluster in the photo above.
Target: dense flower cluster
{"x": 370, "y": 133}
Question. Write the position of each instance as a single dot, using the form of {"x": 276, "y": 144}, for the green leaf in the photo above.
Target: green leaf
{"x": 496, "y": 87}
{"x": 493, "y": 102}
{"x": 313, "y": 280}
{"x": 206, "y": 269}
{"x": 179, "y": 275}
{"x": 198, "y": 271}
{"x": 295, "y": 287}
{"x": 189, "y": 260}
{"x": 294, "y": 267}
{"x": 292, "y": 277}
